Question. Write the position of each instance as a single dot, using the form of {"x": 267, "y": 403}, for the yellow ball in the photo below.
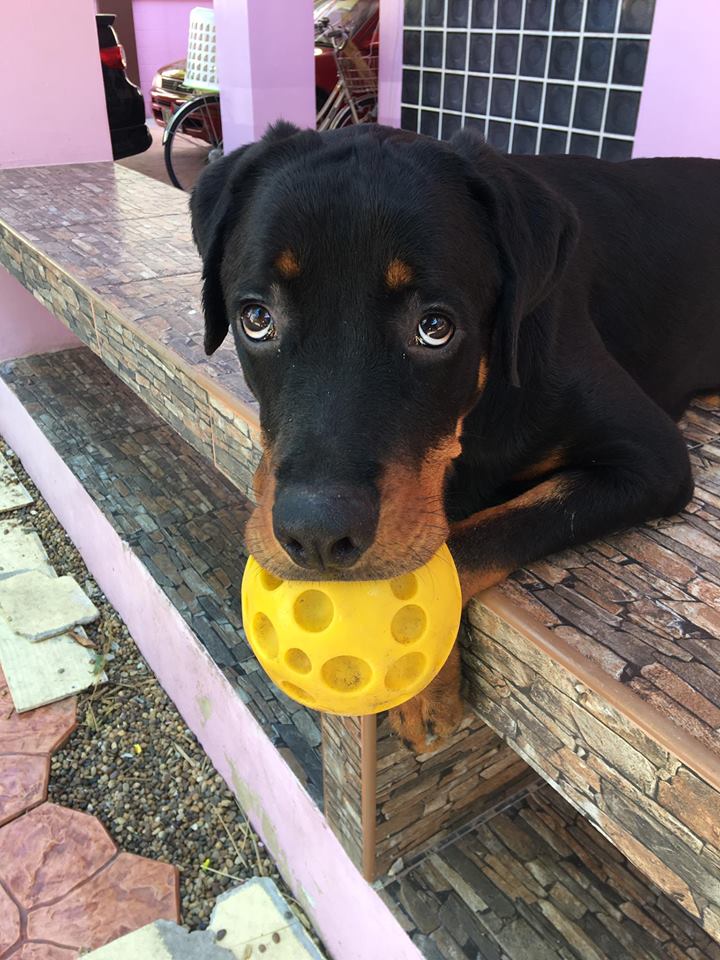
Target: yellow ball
{"x": 353, "y": 647}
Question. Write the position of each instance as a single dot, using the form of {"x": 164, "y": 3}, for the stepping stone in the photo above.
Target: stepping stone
{"x": 42, "y": 673}
{"x": 163, "y": 940}
{"x": 12, "y": 493}
{"x": 9, "y": 923}
{"x": 127, "y": 894}
{"x": 21, "y": 550}
{"x": 248, "y": 922}
{"x": 256, "y": 915}
{"x": 44, "y": 951}
{"x": 49, "y": 851}
{"x": 23, "y": 784}
{"x": 37, "y": 606}
{"x": 40, "y": 731}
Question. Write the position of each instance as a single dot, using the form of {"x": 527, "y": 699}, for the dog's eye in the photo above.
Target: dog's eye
{"x": 434, "y": 330}
{"x": 257, "y": 322}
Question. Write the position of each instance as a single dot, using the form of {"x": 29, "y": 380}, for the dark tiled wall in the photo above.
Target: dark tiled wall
{"x": 535, "y": 76}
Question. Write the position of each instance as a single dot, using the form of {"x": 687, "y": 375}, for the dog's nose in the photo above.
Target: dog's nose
{"x": 325, "y": 529}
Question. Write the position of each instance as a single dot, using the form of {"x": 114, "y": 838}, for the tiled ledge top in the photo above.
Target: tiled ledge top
{"x": 637, "y": 614}
{"x": 126, "y": 240}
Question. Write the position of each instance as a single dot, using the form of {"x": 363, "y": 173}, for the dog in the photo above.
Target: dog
{"x": 452, "y": 345}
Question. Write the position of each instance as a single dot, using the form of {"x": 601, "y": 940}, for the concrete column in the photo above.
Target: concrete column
{"x": 266, "y": 66}
{"x": 26, "y": 327}
{"x": 391, "y": 50}
{"x": 54, "y": 109}
{"x": 680, "y": 108}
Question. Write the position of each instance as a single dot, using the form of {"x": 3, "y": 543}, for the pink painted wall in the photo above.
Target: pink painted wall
{"x": 161, "y": 34}
{"x": 26, "y": 327}
{"x": 266, "y": 66}
{"x": 680, "y": 105}
{"x": 390, "y": 67}
{"x": 54, "y": 108}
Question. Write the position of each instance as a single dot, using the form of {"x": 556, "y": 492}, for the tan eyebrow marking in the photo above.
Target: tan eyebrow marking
{"x": 482, "y": 374}
{"x": 398, "y": 274}
{"x": 287, "y": 265}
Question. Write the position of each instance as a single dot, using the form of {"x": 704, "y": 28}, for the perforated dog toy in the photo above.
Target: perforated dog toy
{"x": 353, "y": 647}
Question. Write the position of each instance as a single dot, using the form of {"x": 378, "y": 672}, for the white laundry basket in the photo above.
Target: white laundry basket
{"x": 201, "y": 67}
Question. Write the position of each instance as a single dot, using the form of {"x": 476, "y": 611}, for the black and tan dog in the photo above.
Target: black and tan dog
{"x": 450, "y": 344}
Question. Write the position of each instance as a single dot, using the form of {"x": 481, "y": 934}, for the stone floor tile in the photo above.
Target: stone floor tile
{"x": 256, "y": 915}
{"x": 164, "y": 940}
{"x": 9, "y": 923}
{"x": 37, "y": 731}
{"x": 23, "y": 784}
{"x": 50, "y": 850}
{"x": 21, "y": 550}
{"x": 41, "y": 673}
{"x": 37, "y": 606}
{"x": 12, "y": 493}
{"x": 38, "y": 674}
{"x": 128, "y": 894}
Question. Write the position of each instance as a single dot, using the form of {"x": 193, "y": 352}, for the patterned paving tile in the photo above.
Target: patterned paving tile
{"x": 129, "y": 893}
{"x": 49, "y": 851}
{"x": 44, "y": 951}
{"x": 23, "y": 784}
{"x": 9, "y": 923}
{"x": 26, "y": 742}
{"x": 63, "y": 881}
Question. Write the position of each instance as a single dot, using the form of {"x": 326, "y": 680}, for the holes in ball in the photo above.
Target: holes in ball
{"x": 269, "y": 581}
{"x": 297, "y": 693}
{"x": 298, "y": 660}
{"x": 409, "y": 623}
{"x": 405, "y": 671}
{"x": 346, "y": 674}
{"x": 265, "y": 635}
{"x": 404, "y": 587}
{"x": 313, "y": 610}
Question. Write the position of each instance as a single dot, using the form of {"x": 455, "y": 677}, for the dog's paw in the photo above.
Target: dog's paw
{"x": 424, "y": 725}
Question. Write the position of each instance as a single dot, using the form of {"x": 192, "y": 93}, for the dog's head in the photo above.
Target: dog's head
{"x": 374, "y": 282}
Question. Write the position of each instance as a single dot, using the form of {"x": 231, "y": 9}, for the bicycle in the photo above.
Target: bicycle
{"x": 354, "y": 97}
{"x": 192, "y": 139}
{"x": 193, "y": 135}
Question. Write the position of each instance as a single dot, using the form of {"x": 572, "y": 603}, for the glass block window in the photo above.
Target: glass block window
{"x": 535, "y": 76}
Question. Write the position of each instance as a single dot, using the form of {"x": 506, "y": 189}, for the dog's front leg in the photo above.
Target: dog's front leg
{"x": 626, "y": 486}
{"x": 425, "y": 721}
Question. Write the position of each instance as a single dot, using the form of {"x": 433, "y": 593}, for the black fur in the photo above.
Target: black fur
{"x": 592, "y": 289}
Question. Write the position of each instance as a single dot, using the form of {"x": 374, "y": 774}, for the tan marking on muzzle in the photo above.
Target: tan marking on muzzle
{"x": 411, "y": 527}
{"x": 398, "y": 274}
{"x": 288, "y": 265}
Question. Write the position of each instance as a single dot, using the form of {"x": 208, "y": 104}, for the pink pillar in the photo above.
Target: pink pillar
{"x": 266, "y": 66}
{"x": 391, "y": 55}
{"x": 26, "y": 327}
{"x": 680, "y": 108}
{"x": 161, "y": 35}
{"x": 54, "y": 109}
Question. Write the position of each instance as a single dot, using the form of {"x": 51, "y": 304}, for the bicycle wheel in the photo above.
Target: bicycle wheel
{"x": 366, "y": 108}
{"x": 192, "y": 139}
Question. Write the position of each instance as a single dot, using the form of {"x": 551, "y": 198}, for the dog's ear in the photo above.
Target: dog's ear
{"x": 217, "y": 200}
{"x": 535, "y": 230}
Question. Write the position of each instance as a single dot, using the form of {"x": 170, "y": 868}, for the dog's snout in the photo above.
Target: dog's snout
{"x": 325, "y": 529}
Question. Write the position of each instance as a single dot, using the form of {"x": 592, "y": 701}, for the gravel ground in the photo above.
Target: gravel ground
{"x": 134, "y": 764}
